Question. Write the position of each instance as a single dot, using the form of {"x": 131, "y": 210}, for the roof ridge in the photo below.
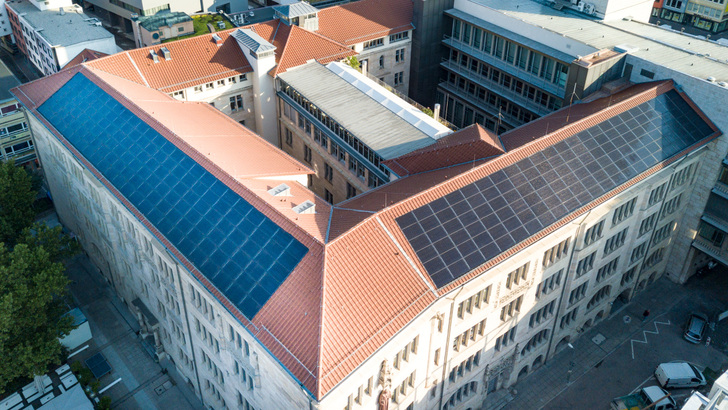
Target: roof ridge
{"x": 518, "y": 153}
{"x": 137, "y": 70}
{"x": 200, "y": 158}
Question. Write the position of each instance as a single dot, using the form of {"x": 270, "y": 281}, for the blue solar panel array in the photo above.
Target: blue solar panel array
{"x": 462, "y": 230}
{"x": 242, "y": 252}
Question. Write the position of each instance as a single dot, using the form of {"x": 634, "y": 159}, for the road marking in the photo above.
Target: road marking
{"x": 644, "y": 335}
{"x": 641, "y": 384}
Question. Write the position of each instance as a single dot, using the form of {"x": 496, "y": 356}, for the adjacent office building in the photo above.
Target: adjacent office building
{"x": 15, "y": 140}
{"x": 52, "y": 33}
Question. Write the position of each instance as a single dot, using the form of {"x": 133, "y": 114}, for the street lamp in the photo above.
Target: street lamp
{"x": 571, "y": 363}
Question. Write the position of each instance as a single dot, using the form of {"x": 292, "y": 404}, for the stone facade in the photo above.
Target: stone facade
{"x": 390, "y": 61}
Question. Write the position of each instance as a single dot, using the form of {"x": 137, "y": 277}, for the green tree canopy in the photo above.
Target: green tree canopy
{"x": 16, "y": 201}
{"x": 32, "y": 281}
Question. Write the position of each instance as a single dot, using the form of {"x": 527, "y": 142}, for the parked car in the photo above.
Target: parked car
{"x": 695, "y": 327}
{"x": 677, "y": 375}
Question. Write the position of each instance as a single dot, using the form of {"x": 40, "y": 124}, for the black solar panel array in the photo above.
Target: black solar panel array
{"x": 460, "y": 231}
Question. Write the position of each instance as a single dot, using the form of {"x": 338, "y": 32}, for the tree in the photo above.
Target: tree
{"x": 16, "y": 201}
{"x": 353, "y": 62}
{"x": 32, "y": 281}
{"x": 31, "y": 311}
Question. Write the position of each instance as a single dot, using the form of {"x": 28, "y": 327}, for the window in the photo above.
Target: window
{"x": 289, "y": 137}
{"x": 556, "y": 253}
{"x": 220, "y": 83}
{"x": 399, "y": 55}
{"x": 350, "y": 191}
{"x": 476, "y": 301}
{"x": 647, "y": 224}
{"x": 470, "y": 335}
{"x": 505, "y": 339}
{"x": 578, "y": 293}
{"x": 198, "y": 89}
{"x": 399, "y": 37}
{"x": 179, "y": 95}
{"x": 599, "y": 296}
{"x": 624, "y": 211}
{"x": 307, "y": 153}
{"x": 682, "y": 176}
{"x": 593, "y": 233}
{"x": 542, "y": 314}
{"x": 328, "y": 172}
{"x": 233, "y": 80}
{"x": 713, "y": 235}
{"x": 242, "y": 77}
{"x": 236, "y": 103}
{"x": 607, "y": 270}
{"x": 638, "y": 252}
{"x": 585, "y": 265}
{"x": 399, "y": 78}
{"x": 549, "y": 284}
{"x": 615, "y": 242}
{"x": 568, "y": 318}
{"x": 654, "y": 258}
{"x": 328, "y": 196}
{"x": 381, "y": 61}
{"x": 511, "y": 309}
{"x": 628, "y": 276}
{"x": 517, "y": 276}
{"x": 537, "y": 340}
{"x": 663, "y": 233}
{"x": 464, "y": 367}
{"x": 657, "y": 194}
{"x": 648, "y": 74}
{"x": 404, "y": 354}
{"x": 373, "y": 43}
{"x": 670, "y": 206}
{"x": 209, "y": 86}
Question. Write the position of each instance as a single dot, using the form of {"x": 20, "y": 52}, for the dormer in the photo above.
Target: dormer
{"x": 300, "y": 14}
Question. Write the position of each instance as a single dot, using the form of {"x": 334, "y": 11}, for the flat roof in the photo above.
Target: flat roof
{"x": 680, "y": 52}
{"x": 354, "y": 101}
{"x": 70, "y": 28}
{"x": 7, "y": 81}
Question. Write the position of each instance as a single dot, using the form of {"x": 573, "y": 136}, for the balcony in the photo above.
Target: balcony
{"x": 508, "y": 120}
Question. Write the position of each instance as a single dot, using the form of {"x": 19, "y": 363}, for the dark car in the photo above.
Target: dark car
{"x": 695, "y": 327}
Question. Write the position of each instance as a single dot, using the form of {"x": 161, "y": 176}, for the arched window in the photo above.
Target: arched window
{"x": 600, "y": 295}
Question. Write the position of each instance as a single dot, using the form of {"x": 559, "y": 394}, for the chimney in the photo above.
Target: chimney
{"x": 436, "y": 112}
{"x": 217, "y": 40}
{"x": 154, "y": 56}
{"x": 165, "y": 52}
{"x": 364, "y": 67}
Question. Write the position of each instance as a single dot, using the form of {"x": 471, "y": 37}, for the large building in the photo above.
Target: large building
{"x": 429, "y": 291}
{"x": 50, "y": 34}
{"x": 15, "y": 140}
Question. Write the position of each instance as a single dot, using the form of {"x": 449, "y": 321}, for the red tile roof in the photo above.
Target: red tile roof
{"x": 466, "y": 145}
{"x": 357, "y": 288}
{"x": 365, "y": 20}
{"x": 194, "y": 61}
{"x": 86, "y": 55}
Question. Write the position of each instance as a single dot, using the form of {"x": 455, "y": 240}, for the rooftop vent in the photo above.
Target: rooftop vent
{"x": 154, "y": 56}
{"x": 625, "y": 48}
{"x": 217, "y": 39}
{"x": 711, "y": 79}
{"x": 165, "y": 52}
{"x": 307, "y": 207}
{"x": 280, "y": 190}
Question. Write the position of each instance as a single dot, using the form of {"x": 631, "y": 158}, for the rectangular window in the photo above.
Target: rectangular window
{"x": 517, "y": 276}
{"x": 549, "y": 284}
{"x": 682, "y": 176}
{"x": 624, "y": 211}
{"x": 542, "y": 314}
{"x": 289, "y": 137}
{"x": 307, "y": 153}
{"x": 328, "y": 172}
{"x": 236, "y": 103}
{"x": 373, "y": 43}
{"x": 399, "y": 55}
{"x": 713, "y": 235}
{"x": 505, "y": 339}
{"x": 585, "y": 265}
{"x": 647, "y": 224}
{"x": 511, "y": 309}
{"x": 556, "y": 253}
{"x": 669, "y": 207}
{"x": 607, "y": 270}
{"x": 328, "y": 196}
{"x": 399, "y": 78}
{"x": 594, "y": 233}
{"x": 657, "y": 194}
{"x": 399, "y": 37}
{"x": 350, "y": 191}
{"x": 628, "y": 276}
{"x": 663, "y": 233}
{"x": 615, "y": 242}
{"x": 568, "y": 318}
{"x": 578, "y": 293}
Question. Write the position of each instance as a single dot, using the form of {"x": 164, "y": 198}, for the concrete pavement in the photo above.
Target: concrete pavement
{"x": 618, "y": 355}
{"x": 144, "y": 383}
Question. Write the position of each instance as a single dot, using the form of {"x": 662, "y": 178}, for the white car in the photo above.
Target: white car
{"x": 677, "y": 375}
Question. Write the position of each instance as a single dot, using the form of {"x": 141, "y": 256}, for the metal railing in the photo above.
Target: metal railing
{"x": 411, "y": 101}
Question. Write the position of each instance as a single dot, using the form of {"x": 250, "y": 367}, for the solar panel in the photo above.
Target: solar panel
{"x": 516, "y": 202}
{"x": 242, "y": 252}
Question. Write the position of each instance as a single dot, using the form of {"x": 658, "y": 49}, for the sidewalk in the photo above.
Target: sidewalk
{"x": 142, "y": 383}
{"x": 540, "y": 387}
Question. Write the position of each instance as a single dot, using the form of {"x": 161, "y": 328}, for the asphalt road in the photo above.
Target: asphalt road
{"x": 632, "y": 364}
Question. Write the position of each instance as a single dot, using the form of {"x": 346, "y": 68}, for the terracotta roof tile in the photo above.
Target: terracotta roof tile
{"x": 86, "y": 55}
{"x": 365, "y": 20}
{"x": 194, "y": 61}
{"x": 466, "y": 145}
{"x": 302, "y": 46}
